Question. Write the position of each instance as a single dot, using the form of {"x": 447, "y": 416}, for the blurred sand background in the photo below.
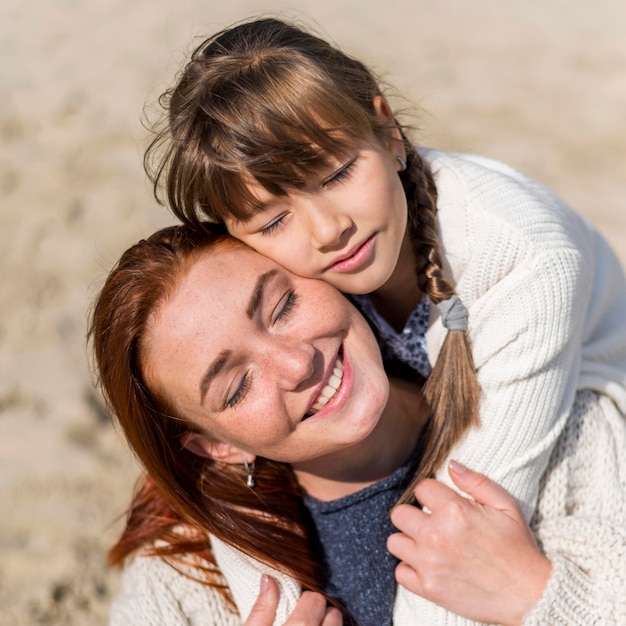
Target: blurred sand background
{"x": 540, "y": 84}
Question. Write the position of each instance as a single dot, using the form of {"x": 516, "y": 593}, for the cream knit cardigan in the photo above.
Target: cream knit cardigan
{"x": 547, "y": 311}
{"x": 580, "y": 523}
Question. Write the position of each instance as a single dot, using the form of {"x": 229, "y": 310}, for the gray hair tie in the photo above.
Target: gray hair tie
{"x": 453, "y": 314}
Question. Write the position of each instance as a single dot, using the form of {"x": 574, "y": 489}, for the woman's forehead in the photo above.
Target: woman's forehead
{"x": 212, "y": 295}
{"x": 235, "y": 265}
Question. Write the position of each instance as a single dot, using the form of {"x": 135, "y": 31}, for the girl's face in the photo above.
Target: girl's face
{"x": 346, "y": 229}
{"x": 265, "y": 361}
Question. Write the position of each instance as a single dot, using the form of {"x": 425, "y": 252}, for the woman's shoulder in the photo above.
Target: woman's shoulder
{"x": 154, "y": 590}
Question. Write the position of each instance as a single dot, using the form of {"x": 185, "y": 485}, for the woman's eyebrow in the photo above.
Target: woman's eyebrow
{"x": 212, "y": 371}
{"x": 253, "y": 305}
{"x": 257, "y": 294}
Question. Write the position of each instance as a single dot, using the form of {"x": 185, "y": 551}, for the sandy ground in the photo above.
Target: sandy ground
{"x": 540, "y": 84}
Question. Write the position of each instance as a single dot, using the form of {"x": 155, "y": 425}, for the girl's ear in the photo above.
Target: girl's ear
{"x": 201, "y": 445}
{"x": 384, "y": 116}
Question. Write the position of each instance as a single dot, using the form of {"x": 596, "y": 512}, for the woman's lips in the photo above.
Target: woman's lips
{"x": 335, "y": 389}
{"x": 355, "y": 258}
{"x": 330, "y": 388}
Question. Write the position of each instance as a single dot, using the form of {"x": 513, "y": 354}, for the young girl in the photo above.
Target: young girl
{"x": 291, "y": 145}
{"x": 274, "y": 445}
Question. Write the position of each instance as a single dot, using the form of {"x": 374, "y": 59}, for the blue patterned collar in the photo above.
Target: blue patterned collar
{"x": 409, "y": 345}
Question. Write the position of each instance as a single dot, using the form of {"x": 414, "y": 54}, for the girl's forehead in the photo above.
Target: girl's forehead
{"x": 256, "y": 186}
{"x": 239, "y": 187}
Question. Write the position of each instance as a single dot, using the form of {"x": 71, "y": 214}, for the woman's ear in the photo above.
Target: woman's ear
{"x": 201, "y": 445}
{"x": 384, "y": 117}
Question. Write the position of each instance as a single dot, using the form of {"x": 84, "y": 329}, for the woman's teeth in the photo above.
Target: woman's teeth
{"x": 333, "y": 383}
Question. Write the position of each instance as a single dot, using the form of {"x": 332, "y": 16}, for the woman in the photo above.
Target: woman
{"x": 252, "y": 413}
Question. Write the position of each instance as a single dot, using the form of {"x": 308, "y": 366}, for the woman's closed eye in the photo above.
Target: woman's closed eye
{"x": 285, "y": 306}
{"x": 239, "y": 393}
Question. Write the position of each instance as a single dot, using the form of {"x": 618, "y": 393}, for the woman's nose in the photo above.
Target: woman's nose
{"x": 294, "y": 365}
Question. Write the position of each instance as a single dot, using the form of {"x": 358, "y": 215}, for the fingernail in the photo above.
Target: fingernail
{"x": 265, "y": 583}
{"x": 457, "y": 468}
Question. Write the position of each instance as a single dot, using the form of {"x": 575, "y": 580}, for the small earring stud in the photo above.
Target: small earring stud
{"x": 402, "y": 163}
{"x": 250, "y": 470}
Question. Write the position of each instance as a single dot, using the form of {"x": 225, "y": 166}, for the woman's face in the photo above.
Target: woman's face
{"x": 268, "y": 362}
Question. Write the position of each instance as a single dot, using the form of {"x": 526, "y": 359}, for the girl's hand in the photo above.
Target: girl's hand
{"x": 310, "y": 610}
{"x": 477, "y": 558}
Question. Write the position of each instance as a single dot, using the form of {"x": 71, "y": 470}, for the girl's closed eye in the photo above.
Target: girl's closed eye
{"x": 341, "y": 175}
{"x": 273, "y": 226}
{"x": 240, "y": 392}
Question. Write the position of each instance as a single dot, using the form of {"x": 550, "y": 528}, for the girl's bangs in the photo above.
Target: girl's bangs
{"x": 282, "y": 141}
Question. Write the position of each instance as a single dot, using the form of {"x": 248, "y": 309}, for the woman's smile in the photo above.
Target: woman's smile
{"x": 328, "y": 398}
{"x": 242, "y": 349}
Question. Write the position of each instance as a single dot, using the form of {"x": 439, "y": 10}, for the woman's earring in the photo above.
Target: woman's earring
{"x": 402, "y": 163}
{"x": 250, "y": 469}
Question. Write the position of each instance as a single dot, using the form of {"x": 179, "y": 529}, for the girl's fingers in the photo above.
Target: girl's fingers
{"x": 263, "y": 611}
{"x": 408, "y": 578}
{"x": 311, "y": 610}
{"x": 482, "y": 489}
{"x": 400, "y": 545}
{"x": 434, "y": 495}
{"x": 333, "y": 617}
{"x": 406, "y": 517}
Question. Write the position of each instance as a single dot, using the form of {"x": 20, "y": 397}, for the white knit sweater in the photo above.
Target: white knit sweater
{"x": 547, "y": 313}
{"x": 547, "y": 310}
{"x": 580, "y": 522}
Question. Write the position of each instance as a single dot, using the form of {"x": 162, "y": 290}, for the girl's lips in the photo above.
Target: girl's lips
{"x": 355, "y": 258}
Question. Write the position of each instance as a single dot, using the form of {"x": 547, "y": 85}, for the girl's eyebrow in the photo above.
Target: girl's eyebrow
{"x": 257, "y": 294}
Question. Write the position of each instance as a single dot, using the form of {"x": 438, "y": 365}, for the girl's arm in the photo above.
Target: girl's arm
{"x": 546, "y": 300}
{"x": 477, "y": 557}
{"x": 526, "y": 335}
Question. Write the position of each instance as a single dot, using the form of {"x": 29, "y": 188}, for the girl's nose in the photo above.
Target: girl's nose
{"x": 329, "y": 227}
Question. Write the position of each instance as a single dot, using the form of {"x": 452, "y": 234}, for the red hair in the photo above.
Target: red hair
{"x": 185, "y": 498}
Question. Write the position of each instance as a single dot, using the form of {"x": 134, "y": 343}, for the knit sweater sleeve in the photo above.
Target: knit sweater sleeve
{"x": 524, "y": 266}
{"x": 580, "y": 524}
{"x": 581, "y": 519}
{"x": 153, "y": 593}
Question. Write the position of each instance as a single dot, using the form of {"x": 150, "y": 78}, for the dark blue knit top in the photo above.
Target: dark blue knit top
{"x": 352, "y": 535}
